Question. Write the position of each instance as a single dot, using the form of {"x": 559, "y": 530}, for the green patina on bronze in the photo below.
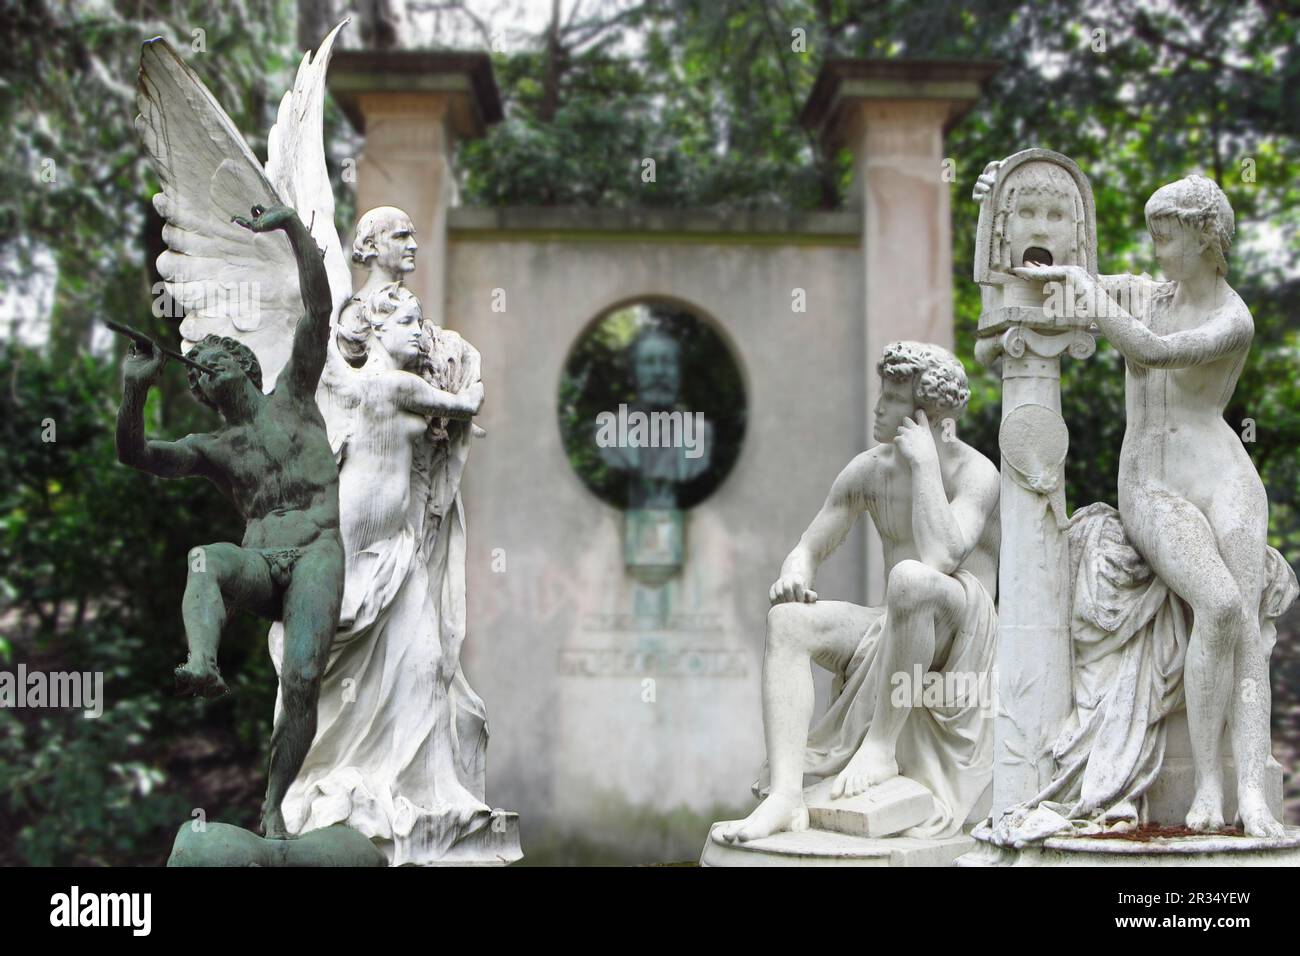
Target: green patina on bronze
{"x": 272, "y": 458}
{"x": 220, "y": 844}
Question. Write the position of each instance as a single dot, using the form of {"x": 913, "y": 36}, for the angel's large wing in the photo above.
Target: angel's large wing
{"x": 231, "y": 281}
{"x": 295, "y": 163}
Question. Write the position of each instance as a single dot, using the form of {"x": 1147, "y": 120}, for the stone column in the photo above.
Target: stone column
{"x": 893, "y": 115}
{"x": 412, "y": 106}
{"x": 1033, "y": 667}
{"x": 1025, "y": 328}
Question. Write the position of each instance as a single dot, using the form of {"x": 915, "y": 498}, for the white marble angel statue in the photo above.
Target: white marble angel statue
{"x": 399, "y": 751}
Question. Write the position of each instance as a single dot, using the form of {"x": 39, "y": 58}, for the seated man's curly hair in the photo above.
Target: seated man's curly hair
{"x": 938, "y": 379}
{"x": 242, "y": 355}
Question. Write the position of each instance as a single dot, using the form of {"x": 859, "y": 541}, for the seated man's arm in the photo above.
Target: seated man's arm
{"x": 826, "y": 533}
{"x": 945, "y": 531}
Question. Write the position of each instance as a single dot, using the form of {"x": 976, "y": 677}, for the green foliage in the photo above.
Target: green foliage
{"x": 1138, "y": 98}
{"x": 92, "y": 567}
{"x": 92, "y": 555}
{"x": 79, "y": 188}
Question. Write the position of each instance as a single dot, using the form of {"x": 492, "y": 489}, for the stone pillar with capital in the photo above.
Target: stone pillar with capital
{"x": 412, "y": 106}
{"x": 893, "y": 115}
{"x": 1039, "y": 209}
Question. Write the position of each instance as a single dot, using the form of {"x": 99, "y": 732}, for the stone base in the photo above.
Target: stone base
{"x": 220, "y": 844}
{"x": 1209, "y": 850}
{"x": 824, "y": 848}
{"x": 494, "y": 845}
{"x": 892, "y": 807}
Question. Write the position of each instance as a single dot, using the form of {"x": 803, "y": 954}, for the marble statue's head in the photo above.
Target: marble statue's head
{"x": 918, "y": 375}
{"x": 233, "y": 361}
{"x": 656, "y": 359}
{"x": 393, "y": 313}
{"x": 1040, "y": 218}
{"x": 1188, "y": 219}
{"x": 385, "y": 240}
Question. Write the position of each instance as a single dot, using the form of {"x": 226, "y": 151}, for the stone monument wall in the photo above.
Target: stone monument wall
{"x": 606, "y": 727}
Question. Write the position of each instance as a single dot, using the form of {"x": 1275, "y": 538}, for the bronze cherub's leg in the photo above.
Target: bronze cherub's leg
{"x": 222, "y": 576}
{"x": 311, "y": 611}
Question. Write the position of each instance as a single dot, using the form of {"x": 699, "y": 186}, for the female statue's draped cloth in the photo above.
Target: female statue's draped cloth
{"x": 370, "y": 764}
{"x": 1130, "y": 635}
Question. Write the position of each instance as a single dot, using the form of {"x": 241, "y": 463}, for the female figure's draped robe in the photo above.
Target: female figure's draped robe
{"x": 403, "y": 620}
{"x": 1130, "y": 635}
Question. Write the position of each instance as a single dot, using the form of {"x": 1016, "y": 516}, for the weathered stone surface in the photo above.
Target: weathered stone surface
{"x": 823, "y": 848}
{"x": 1136, "y": 635}
{"x": 889, "y": 808}
{"x": 1198, "y": 851}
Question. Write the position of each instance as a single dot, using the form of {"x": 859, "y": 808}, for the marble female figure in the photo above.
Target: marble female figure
{"x": 399, "y": 754}
{"x": 1190, "y": 499}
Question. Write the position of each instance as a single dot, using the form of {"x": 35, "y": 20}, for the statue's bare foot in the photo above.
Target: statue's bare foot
{"x": 870, "y": 766}
{"x": 1206, "y": 812}
{"x": 777, "y": 813}
{"x": 198, "y": 679}
{"x": 1256, "y": 818}
{"x": 273, "y": 827}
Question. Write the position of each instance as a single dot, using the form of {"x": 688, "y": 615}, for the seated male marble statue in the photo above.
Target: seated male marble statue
{"x": 934, "y": 500}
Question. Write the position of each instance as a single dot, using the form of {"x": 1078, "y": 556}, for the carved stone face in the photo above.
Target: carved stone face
{"x": 657, "y": 368}
{"x": 396, "y": 246}
{"x": 1180, "y": 249}
{"x": 402, "y": 333}
{"x": 1041, "y": 222}
{"x": 895, "y": 403}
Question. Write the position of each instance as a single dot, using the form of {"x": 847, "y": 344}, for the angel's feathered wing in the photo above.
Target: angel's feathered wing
{"x": 231, "y": 281}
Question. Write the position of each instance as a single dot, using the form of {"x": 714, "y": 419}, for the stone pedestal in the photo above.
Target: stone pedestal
{"x": 851, "y": 831}
{"x": 412, "y": 106}
{"x": 494, "y": 845}
{"x": 823, "y": 848}
{"x": 1032, "y": 672}
{"x": 224, "y": 845}
{"x": 893, "y": 115}
{"x": 1202, "y": 850}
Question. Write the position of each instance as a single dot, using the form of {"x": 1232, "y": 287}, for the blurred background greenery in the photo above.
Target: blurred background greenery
{"x": 92, "y": 554}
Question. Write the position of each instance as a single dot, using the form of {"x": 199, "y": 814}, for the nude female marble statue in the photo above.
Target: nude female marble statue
{"x": 1190, "y": 499}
